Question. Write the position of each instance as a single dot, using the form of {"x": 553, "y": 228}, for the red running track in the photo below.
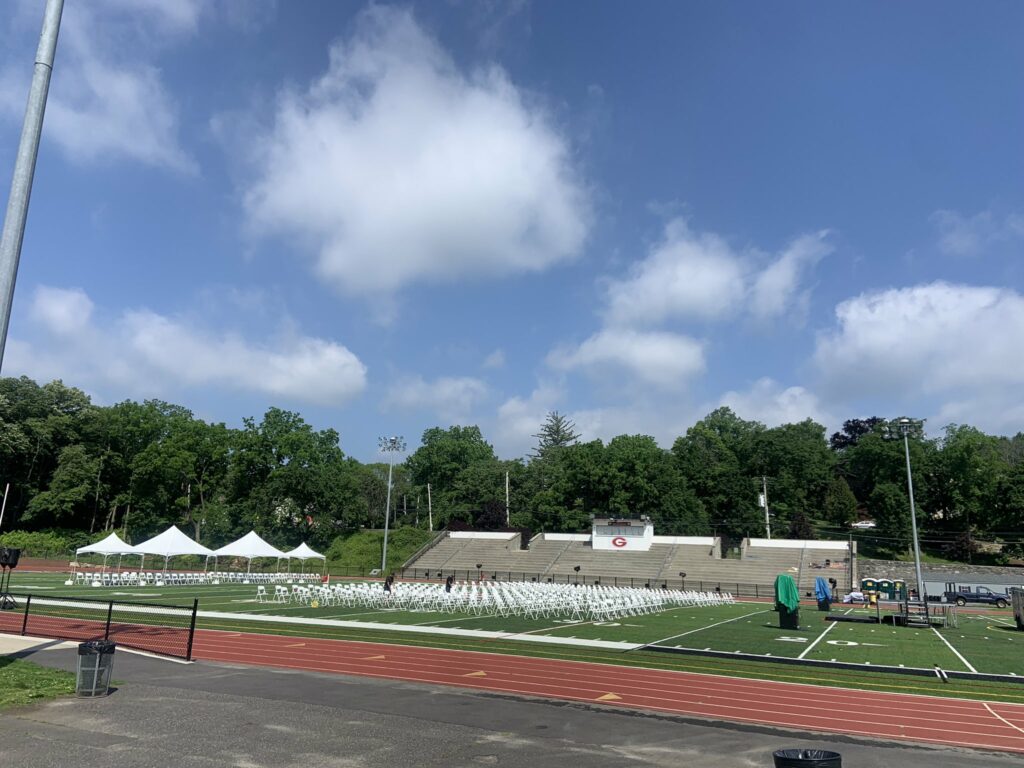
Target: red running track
{"x": 953, "y": 722}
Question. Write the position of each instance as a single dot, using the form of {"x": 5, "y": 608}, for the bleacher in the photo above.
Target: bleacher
{"x": 435, "y": 558}
{"x": 487, "y": 552}
{"x": 691, "y": 559}
{"x": 556, "y": 556}
{"x": 595, "y": 563}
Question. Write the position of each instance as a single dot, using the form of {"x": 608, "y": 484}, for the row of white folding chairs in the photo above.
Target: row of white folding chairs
{"x": 501, "y": 599}
{"x": 183, "y": 578}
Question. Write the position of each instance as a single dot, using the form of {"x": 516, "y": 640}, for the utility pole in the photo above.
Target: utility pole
{"x": 508, "y": 514}
{"x": 764, "y": 503}
{"x": 25, "y": 165}
{"x": 430, "y": 509}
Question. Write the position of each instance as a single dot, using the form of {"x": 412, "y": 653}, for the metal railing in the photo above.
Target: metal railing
{"x": 168, "y": 630}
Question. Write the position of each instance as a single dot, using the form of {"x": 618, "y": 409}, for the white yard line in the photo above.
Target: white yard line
{"x": 828, "y": 629}
{"x": 709, "y": 626}
{"x": 955, "y": 651}
{"x": 1002, "y": 718}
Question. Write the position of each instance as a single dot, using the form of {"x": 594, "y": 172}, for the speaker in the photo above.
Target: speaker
{"x": 4, "y": 557}
{"x": 12, "y": 557}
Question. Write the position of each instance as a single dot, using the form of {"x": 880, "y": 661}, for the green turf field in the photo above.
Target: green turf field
{"x": 985, "y": 642}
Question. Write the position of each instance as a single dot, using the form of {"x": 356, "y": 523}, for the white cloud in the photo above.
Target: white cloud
{"x": 519, "y": 419}
{"x": 107, "y": 97}
{"x": 495, "y": 360}
{"x": 145, "y": 353}
{"x": 699, "y": 275}
{"x": 666, "y": 360}
{"x": 687, "y": 274}
{"x": 396, "y": 167}
{"x": 776, "y": 289}
{"x": 932, "y": 338}
{"x": 771, "y": 404}
{"x": 451, "y": 398}
{"x": 961, "y": 235}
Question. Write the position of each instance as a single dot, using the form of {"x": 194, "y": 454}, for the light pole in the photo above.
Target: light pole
{"x": 25, "y": 164}
{"x": 907, "y": 427}
{"x": 390, "y": 446}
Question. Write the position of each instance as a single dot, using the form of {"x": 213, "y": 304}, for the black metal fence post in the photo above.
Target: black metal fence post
{"x": 192, "y": 629}
{"x": 24, "y": 622}
{"x": 110, "y": 612}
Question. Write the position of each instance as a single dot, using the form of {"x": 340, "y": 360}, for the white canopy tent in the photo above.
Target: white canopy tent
{"x": 249, "y": 546}
{"x": 170, "y": 543}
{"x": 304, "y": 553}
{"x": 112, "y": 545}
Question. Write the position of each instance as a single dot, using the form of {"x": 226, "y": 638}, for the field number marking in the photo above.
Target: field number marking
{"x": 828, "y": 629}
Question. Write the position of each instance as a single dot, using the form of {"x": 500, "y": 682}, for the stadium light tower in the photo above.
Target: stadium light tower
{"x": 25, "y": 164}
{"x": 390, "y": 446}
{"x": 892, "y": 431}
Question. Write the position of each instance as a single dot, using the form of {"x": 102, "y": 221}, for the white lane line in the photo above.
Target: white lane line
{"x": 828, "y": 629}
{"x": 955, "y": 651}
{"x": 709, "y": 626}
{"x": 1002, "y": 718}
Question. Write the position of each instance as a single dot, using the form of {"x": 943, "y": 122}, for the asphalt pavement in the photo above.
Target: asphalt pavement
{"x": 176, "y": 715}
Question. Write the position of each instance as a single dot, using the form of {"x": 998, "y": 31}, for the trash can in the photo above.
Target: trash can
{"x": 824, "y": 605}
{"x": 789, "y": 619}
{"x": 807, "y": 758}
{"x": 95, "y": 667}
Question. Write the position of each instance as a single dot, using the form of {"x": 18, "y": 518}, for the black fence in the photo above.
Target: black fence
{"x": 736, "y": 589}
{"x": 163, "y": 629}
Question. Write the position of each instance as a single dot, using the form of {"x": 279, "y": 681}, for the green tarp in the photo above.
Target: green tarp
{"x": 785, "y": 593}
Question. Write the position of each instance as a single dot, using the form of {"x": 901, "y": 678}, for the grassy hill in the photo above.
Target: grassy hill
{"x": 362, "y": 550}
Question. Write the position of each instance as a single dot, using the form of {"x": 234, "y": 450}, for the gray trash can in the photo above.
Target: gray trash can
{"x": 807, "y": 758}
{"x": 95, "y": 668}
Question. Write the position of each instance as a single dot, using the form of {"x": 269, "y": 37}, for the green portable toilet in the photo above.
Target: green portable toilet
{"x": 886, "y": 589}
{"x": 868, "y": 585}
{"x": 900, "y": 589}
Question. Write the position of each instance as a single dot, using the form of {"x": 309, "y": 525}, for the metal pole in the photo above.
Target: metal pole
{"x": 4, "y": 505}
{"x": 430, "y": 509}
{"x": 767, "y": 522}
{"x": 508, "y": 515}
{"x": 913, "y": 521}
{"x": 387, "y": 514}
{"x": 25, "y": 165}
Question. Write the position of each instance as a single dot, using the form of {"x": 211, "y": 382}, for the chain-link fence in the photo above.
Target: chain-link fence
{"x": 167, "y": 630}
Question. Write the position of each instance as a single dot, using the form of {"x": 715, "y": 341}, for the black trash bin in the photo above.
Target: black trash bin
{"x": 95, "y": 668}
{"x": 824, "y": 605}
{"x": 807, "y": 758}
{"x": 789, "y": 619}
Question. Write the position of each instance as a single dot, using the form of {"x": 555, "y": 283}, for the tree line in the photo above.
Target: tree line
{"x": 138, "y": 467}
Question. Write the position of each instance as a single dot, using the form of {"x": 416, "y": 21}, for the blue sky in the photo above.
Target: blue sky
{"x": 389, "y": 217}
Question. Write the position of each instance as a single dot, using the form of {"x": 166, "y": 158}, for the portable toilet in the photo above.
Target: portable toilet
{"x": 868, "y": 585}
{"x": 886, "y": 589}
{"x": 900, "y": 589}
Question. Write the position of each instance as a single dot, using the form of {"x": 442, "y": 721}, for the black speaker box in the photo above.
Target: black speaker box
{"x": 12, "y": 557}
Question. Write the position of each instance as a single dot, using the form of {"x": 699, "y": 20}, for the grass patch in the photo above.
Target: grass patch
{"x": 362, "y": 550}
{"x": 22, "y": 683}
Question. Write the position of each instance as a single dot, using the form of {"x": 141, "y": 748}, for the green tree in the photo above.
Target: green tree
{"x": 557, "y": 431}
{"x": 889, "y": 506}
{"x": 715, "y": 458}
{"x": 840, "y": 503}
